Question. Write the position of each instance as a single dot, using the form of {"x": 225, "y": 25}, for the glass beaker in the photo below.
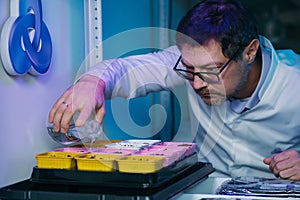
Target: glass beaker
{"x": 90, "y": 131}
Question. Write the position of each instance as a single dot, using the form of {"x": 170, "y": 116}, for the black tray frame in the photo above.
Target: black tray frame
{"x": 115, "y": 179}
{"x": 30, "y": 190}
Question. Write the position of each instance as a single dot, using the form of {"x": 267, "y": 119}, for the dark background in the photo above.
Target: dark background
{"x": 279, "y": 20}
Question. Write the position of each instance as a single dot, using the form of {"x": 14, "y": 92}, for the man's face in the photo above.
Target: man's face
{"x": 209, "y": 58}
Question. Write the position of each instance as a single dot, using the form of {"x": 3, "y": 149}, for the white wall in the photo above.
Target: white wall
{"x": 26, "y": 100}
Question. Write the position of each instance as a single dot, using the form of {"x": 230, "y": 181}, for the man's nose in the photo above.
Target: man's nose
{"x": 198, "y": 83}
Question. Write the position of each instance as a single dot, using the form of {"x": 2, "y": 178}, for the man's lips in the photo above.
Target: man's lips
{"x": 205, "y": 94}
{"x": 209, "y": 94}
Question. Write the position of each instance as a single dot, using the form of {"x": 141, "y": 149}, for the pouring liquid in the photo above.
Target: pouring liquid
{"x": 90, "y": 131}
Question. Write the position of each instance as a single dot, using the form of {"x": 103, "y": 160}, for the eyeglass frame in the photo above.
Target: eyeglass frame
{"x": 199, "y": 74}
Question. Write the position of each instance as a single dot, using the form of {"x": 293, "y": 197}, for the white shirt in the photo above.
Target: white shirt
{"x": 234, "y": 142}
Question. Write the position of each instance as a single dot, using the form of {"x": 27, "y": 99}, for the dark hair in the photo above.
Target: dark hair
{"x": 225, "y": 21}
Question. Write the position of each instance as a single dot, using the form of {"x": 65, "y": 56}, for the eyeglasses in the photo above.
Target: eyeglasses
{"x": 211, "y": 76}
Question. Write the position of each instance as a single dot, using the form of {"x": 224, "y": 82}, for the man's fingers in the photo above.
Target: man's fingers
{"x": 85, "y": 98}
{"x": 279, "y": 167}
{"x": 66, "y": 118}
{"x": 57, "y": 119}
{"x": 57, "y": 105}
{"x": 267, "y": 160}
{"x": 83, "y": 116}
{"x": 100, "y": 113}
{"x": 284, "y": 164}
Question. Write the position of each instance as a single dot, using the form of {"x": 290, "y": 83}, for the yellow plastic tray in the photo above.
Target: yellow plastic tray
{"x": 97, "y": 162}
{"x": 140, "y": 164}
{"x": 56, "y": 160}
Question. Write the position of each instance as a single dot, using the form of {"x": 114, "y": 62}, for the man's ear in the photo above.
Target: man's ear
{"x": 251, "y": 50}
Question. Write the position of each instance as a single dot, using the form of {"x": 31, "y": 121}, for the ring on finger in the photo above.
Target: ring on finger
{"x": 65, "y": 103}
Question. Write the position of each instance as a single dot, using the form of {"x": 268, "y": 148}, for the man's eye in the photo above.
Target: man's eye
{"x": 190, "y": 68}
{"x": 212, "y": 69}
{"x": 219, "y": 66}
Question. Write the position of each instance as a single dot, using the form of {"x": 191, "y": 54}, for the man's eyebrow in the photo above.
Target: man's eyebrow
{"x": 202, "y": 66}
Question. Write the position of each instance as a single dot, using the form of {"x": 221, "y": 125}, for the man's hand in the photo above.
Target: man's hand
{"x": 285, "y": 165}
{"x": 85, "y": 97}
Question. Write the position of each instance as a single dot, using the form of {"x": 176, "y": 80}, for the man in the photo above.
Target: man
{"x": 247, "y": 98}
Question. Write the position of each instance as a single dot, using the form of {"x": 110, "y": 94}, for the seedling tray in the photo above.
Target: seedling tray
{"x": 121, "y": 179}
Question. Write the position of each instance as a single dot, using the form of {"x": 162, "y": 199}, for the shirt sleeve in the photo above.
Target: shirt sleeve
{"x": 139, "y": 75}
